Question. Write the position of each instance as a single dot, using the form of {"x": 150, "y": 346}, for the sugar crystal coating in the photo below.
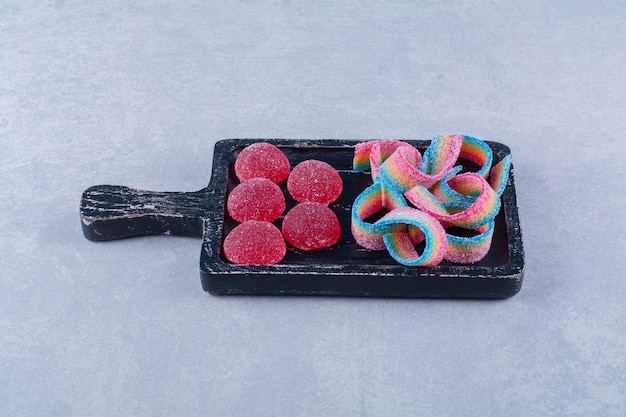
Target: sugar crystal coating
{"x": 314, "y": 180}
{"x": 255, "y": 243}
{"x": 310, "y": 226}
{"x": 442, "y": 195}
{"x": 255, "y": 199}
{"x": 263, "y": 160}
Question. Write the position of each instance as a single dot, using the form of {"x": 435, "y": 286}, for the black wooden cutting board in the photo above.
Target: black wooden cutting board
{"x": 345, "y": 269}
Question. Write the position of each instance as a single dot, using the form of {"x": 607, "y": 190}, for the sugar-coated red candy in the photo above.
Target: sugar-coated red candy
{"x": 255, "y": 199}
{"x": 255, "y": 243}
{"x": 262, "y": 160}
{"x": 314, "y": 180}
{"x": 311, "y": 225}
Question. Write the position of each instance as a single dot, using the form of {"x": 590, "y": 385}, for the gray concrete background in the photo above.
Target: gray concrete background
{"x": 137, "y": 93}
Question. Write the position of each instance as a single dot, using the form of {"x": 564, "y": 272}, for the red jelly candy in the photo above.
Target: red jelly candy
{"x": 314, "y": 180}
{"x": 262, "y": 160}
{"x": 255, "y": 243}
{"x": 255, "y": 199}
{"x": 311, "y": 225}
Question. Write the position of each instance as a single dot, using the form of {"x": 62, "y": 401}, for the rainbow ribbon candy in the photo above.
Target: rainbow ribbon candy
{"x": 481, "y": 211}
{"x": 399, "y": 243}
{"x": 479, "y": 152}
{"x": 370, "y": 155}
{"x": 469, "y": 250}
{"x": 443, "y": 195}
{"x": 441, "y": 154}
{"x": 404, "y": 172}
{"x": 500, "y": 175}
{"x": 372, "y": 200}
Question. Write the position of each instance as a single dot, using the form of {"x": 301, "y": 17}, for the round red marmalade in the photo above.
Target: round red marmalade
{"x": 255, "y": 243}
{"x": 262, "y": 160}
{"x": 310, "y": 226}
{"x": 255, "y": 199}
{"x": 314, "y": 180}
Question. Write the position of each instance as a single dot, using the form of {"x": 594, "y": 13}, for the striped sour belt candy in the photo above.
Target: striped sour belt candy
{"x": 419, "y": 196}
{"x": 482, "y": 210}
{"x": 371, "y": 201}
{"x": 399, "y": 243}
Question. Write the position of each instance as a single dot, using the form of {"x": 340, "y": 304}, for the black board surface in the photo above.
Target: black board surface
{"x": 345, "y": 269}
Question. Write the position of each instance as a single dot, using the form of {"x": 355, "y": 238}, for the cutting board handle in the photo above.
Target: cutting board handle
{"x": 110, "y": 212}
